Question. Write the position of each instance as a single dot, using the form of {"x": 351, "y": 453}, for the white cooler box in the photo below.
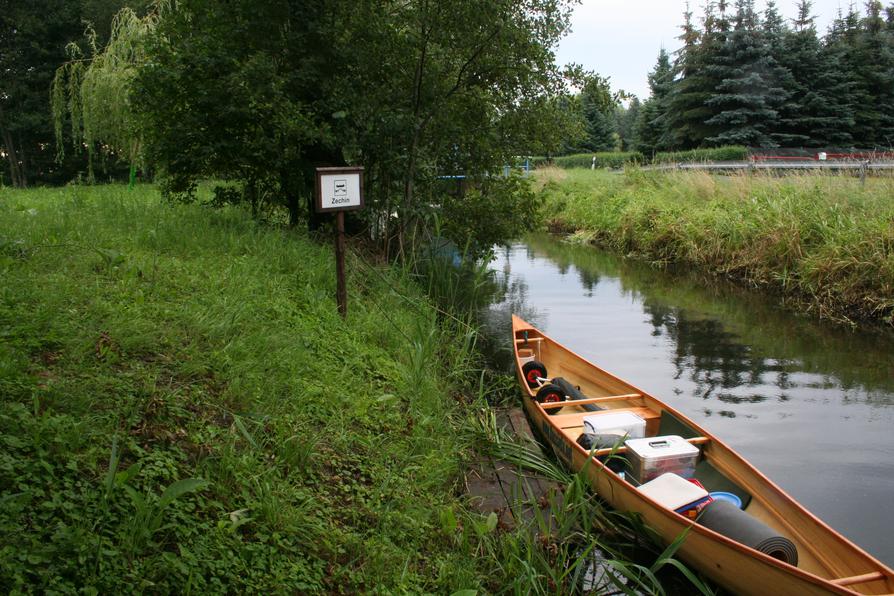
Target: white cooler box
{"x": 618, "y": 423}
{"x": 653, "y": 456}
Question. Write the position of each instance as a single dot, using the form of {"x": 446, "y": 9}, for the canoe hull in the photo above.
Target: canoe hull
{"x": 730, "y": 564}
{"x": 726, "y": 566}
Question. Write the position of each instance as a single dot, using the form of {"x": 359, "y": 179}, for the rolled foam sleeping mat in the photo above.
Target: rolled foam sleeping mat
{"x": 600, "y": 441}
{"x": 574, "y": 393}
{"x": 725, "y": 518}
{"x": 615, "y": 462}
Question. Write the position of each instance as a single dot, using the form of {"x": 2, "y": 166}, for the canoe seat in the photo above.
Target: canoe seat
{"x": 624, "y": 449}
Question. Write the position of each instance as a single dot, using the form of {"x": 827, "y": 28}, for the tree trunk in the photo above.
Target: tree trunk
{"x": 410, "y": 176}
{"x": 404, "y": 218}
{"x": 11, "y": 158}
{"x": 23, "y": 163}
{"x": 15, "y": 169}
{"x": 294, "y": 204}
{"x": 386, "y": 228}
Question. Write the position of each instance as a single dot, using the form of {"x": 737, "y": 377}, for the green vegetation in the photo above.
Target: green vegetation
{"x": 609, "y": 159}
{"x": 752, "y": 79}
{"x": 825, "y": 241}
{"x": 184, "y": 411}
{"x": 573, "y": 542}
{"x": 620, "y": 159}
{"x": 726, "y": 153}
{"x": 261, "y": 95}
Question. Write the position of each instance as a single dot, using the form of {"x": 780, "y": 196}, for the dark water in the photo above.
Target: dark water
{"x": 809, "y": 404}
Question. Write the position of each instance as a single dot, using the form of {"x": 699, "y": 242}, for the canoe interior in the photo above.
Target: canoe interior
{"x": 822, "y": 552}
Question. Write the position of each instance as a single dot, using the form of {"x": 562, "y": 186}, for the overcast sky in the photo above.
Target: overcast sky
{"x": 621, "y": 38}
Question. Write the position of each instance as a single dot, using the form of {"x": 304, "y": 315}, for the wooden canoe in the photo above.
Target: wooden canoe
{"x": 827, "y": 563}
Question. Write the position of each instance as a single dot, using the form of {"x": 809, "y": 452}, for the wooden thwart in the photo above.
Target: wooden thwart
{"x": 589, "y": 400}
{"x": 858, "y": 579}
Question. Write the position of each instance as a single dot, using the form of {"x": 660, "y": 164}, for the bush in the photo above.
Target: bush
{"x": 495, "y": 211}
{"x": 609, "y": 159}
{"x": 728, "y": 153}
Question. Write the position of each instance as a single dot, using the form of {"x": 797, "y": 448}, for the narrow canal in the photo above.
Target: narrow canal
{"x": 809, "y": 404}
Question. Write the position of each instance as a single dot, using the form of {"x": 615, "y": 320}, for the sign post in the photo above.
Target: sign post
{"x": 339, "y": 190}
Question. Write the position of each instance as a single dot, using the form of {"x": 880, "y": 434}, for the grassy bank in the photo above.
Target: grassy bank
{"x": 824, "y": 242}
{"x": 183, "y": 410}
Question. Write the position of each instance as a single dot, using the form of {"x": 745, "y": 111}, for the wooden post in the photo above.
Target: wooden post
{"x": 341, "y": 292}
{"x": 339, "y": 190}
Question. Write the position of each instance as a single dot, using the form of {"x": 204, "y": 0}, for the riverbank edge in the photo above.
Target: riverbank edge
{"x": 636, "y": 225}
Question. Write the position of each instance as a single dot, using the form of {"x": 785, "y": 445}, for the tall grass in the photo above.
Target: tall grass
{"x": 621, "y": 159}
{"x": 827, "y": 242}
{"x": 183, "y": 410}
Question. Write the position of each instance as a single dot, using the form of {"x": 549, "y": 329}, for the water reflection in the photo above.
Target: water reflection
{"x": 809, "y": 404}
{"x": 714, "y": 326}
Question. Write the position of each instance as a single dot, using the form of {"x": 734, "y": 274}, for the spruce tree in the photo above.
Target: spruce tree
{"x": 850, "y": 43}
{"x": 748, "y": 95}
{"x": 651, "y": 125}
{"x": 687, "y": 111}
{"x": 875, "y": 75}
{"x": 626, "y": 123}
{"x": 816, "y": 113}
{"x": 775, "y": 33}
{"x": 597, "y": 107}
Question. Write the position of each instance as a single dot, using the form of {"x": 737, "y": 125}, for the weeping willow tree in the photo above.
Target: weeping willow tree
{"x": 94, "y": 91}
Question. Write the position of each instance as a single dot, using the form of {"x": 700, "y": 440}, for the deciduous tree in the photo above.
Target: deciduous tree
{"x": 262, "y": 93}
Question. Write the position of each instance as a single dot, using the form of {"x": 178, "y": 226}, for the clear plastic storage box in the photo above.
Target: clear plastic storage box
{"x": 617, "y": 423}
{"x": 653, "y": 456}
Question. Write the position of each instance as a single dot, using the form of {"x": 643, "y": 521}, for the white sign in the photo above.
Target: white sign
{"x": 340, "y": 191}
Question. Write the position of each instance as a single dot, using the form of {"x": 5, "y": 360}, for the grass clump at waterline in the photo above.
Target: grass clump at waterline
{"x": 826, "y": 242}
{"x": 570, "y": 541}
{"x": 183, "y": 410}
